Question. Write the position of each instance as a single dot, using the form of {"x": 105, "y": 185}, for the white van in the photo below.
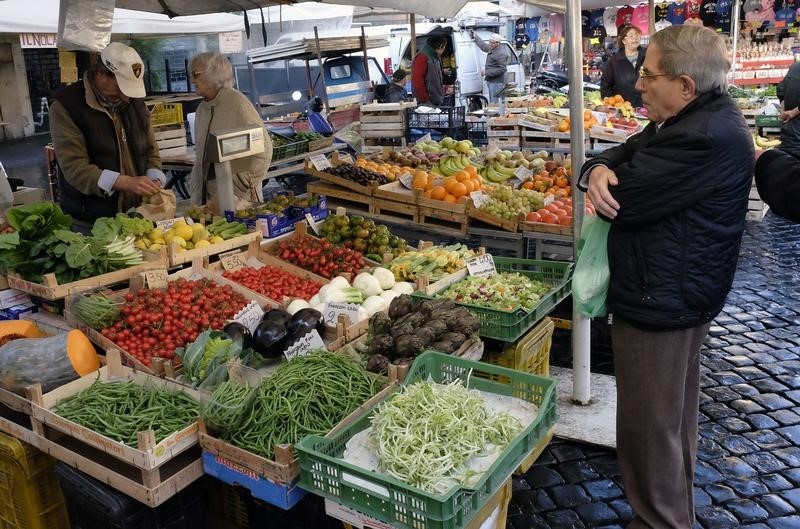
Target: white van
{"x": 462, "y": 60}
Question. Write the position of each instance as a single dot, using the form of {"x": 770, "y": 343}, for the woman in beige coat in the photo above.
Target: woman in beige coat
{"x": 223, "y": 107}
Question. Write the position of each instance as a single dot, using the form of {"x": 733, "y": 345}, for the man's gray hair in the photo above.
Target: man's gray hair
{"x": 697, "y": 52}
{"x": 216, "y": 68}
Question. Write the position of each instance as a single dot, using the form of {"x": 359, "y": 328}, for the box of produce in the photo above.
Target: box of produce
{"x": 375, "y": 241}
{"x": 313, "y": 394}
{"x": 435, "y": 262}
{"x": 345, "y": 174}
{"x": 43, "y": 257}
{"x": 123, "y": 427}
{"x": 316, "y": 141}
{"x": 510, "y": 301}
{"x": 159, "y": 313}
{"x": 397, "y": 336}
{"x": 283, "y": 147}
{"x": 393, "y": 465}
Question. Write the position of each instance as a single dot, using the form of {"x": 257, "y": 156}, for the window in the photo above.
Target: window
{"x": 512, "y": 56}
{"x": 340, "y": 71}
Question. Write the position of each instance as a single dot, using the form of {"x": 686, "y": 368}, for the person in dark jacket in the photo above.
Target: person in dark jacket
{"x": 104, "y": 139}
{"x": 495, "y": 68}
{"x": 622, "y": 69}
{"x": 788, "y": 92}
{"x": 396, "y": 92}
{"x": 778, "y": 182}
{"x": 427, "y": 79}
{"x": 676, "y": 196}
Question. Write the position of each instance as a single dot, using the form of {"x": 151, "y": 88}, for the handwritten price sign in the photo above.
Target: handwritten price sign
{"x": 334, "y": 310}
{"x": 479, "y": 198}
{"x": 231, "y": 262}
{"x": 319, "y": 161}
{"x": 250, "y": 316}
{"x": 155, "y": 278}
{"x": 168, "y": 223}
{"x": 406, "y": 179}
{"x": 482, "y": 265}
{"x": 305, "y": 345}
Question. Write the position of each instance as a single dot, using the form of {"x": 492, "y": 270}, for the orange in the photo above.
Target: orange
{"x": 419, "y": 173}
{"x": 458, "y": 190}
{"x": 470, "y": 169}
{"x": 619, "y": 99}
{"x": 587, "y": 115}
{"x": 420, "y": 180}
{"x": 469, "y": 185}
{"x": 430, "y": 184}
{"x": 428, "y": 194}
{"x": 450, "y": 199}
{"x": 449, "y": 182}
{"x": 438, "y": 193}
{"x": 461, "y": 176}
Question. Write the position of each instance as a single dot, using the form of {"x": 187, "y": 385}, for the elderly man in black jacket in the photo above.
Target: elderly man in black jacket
{"x": 496, "y": 64}
{"x": 778, "y": 182}
{"x": 676, "y": 195}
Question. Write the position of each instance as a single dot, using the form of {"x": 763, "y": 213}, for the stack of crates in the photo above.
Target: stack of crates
{"x": 529, "y": 354}
{"x": 167, "y": 120}
{"x": 30, "y": 494}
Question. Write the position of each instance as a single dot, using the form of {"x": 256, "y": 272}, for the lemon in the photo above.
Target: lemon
{"x": 156, "y": 246}
{"x": 200, "y": 235}
{"x": 183, "y": 230}
{"x": 175, "y": 239}
{"x": 189, "y": 245}
{"x": 216, "y": 239}
{"x": 155, "y": 234}
{"x": 202, "y": 243}
{"x": 197, "y": 226}
{"x": 161, "y": 241}
{"x": 142, "y": 244}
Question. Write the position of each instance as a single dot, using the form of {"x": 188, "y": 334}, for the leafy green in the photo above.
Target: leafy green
{"x": 120, "y": 226}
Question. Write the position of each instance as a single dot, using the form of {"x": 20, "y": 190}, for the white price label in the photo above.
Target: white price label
{"x": 250, "y": 316}
{"x": 406, "y": 179}
{"x": 523, "y": 173}
{"x": 549, "y": 199}
{"x": 231, "y": 262}
{"x": 334, "y": 310}
{"x": 492, "y": 149}
{"x": 479, "y": 198}
{"x": 305, "y": 345}
{"x": 346, "y": 158}
{"x": 515, "y": 182}
{"x": 168, "y": 223}
{"x": 156, "y": 278}
{"x": 438, "y": 180}
{"x": 423, "y": 139}
{"x": 312, "y": 223}
{"x": 320, "y": 161}
{"x": 482, "y": 265}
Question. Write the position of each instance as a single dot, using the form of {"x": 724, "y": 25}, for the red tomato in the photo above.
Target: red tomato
{"x": 550, "y": 218}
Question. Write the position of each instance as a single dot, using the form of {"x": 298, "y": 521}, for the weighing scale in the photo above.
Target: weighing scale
{"x": 227, "y": 145}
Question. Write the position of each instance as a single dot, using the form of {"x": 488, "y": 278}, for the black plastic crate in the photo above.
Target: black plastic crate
{"x": 448, "y": 118}
{"x": 457, "y": 133}
{"x": 476, "y": 132}
{"x": 94, "y": 505}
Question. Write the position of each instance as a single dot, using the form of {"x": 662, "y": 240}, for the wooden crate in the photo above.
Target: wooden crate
{"x": 498, "y": 131}
{"x": 399, "y": 210}
{"x": 536, "y": 139}
{"x": 481, "y": 216}
{"x": 338, "y": 196}
{"x": 171, "y": 140}
{"x": 196, "y": 271}
{"x": 175, "y": 258}
{"x": 397, "y": 192}
{"x": 505, "y": 143}
{"x": 51, "y": 290}
{"x": 150, "y": 472}
{"x": 443, "y": 218}
{"x": 366, "y": 191}
{"x": 544, "y": 227}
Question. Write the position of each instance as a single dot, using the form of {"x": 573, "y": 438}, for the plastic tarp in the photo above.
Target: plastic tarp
{"x": 297, "y": 19}
{"x": 16, "y": 16}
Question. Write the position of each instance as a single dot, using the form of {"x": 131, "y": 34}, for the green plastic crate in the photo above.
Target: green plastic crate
{"x": 509, "y": 325}
{"x": 322, "y": 472}
{"x": 768, "y": 121}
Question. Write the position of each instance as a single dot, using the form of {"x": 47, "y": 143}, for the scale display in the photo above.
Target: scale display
{"x": 236, "y": 143}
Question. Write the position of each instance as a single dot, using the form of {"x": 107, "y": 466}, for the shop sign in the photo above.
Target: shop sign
{"x": 37, "y": 40}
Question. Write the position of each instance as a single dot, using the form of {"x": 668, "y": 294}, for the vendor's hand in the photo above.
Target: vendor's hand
{"x": 759, "y": 152}
{"x": 600, "y": 178}
{"x": 138, "y": 185}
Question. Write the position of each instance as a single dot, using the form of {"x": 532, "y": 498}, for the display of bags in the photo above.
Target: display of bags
{"x": 591, "y": 277}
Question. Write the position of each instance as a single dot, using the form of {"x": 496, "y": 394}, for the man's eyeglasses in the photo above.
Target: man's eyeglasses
{"x": 645, "y": 75}
{"x": 195, "y": 73}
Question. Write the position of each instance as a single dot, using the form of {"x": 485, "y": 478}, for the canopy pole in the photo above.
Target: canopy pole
{"x": 364, "y": 51}
{"x": 412, "y": 24}
{"x": 581, "y": 328}
{"x": 321, "y": 71}
{"x": 651, "y": 9}
{"x": 735, "y": 36}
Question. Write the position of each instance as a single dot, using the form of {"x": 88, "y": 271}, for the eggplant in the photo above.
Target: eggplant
{"x": 305, "y": 320}
{"x": 278, "y": 316}
{"x": 238, "y": 333}
{"x": 292, "y": 337}
{"x": 269, "y": 339}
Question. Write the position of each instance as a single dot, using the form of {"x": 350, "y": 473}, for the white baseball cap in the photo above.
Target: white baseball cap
{"x": 495, "y": 38}
{"x": 127, "y": 67}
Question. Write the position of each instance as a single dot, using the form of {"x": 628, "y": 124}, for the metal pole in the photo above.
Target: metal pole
{"x": 735, "y": 37}
{"x": 581, "y": 335}
{"x": 364, "y": 50}
{"x": 169, "y": 81}
{"x": 308, "y": 78}
{"x": 652, "y": 16}
{"x": 251, "y": 71}
{"x": 321, "y": 71}
{"x": 412, "y": 24}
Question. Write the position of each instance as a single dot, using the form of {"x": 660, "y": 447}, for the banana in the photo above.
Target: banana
{"x": 446, "y": 167}
{"x": 766, "y": 143}
{"x": 493, "y": 175}
{"x": 506, "y": 171}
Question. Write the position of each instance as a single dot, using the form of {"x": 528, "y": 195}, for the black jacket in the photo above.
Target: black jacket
{"x": 619, "y": 77}
{"x": 778, "y": 181}
{"x": 683, "y": 194}
{"x": 395, "y": 94}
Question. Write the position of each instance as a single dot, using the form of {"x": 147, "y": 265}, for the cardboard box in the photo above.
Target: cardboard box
{"x": 11, "y": 297}
{"x": 18, "y": 311}
{"x": 28, "y": 195}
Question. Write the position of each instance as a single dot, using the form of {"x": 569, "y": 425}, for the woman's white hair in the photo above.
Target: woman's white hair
{"x": 216, "y": 68}
{"x": 697, "y": 52}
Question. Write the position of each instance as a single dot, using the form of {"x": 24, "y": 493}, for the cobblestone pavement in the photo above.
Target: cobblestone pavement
{"x": 748, "y": 470}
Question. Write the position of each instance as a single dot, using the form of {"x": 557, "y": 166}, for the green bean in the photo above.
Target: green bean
{"x": 308, "y": 395}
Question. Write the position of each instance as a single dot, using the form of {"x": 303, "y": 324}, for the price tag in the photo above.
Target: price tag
{"x": 423, "y": 139}
{"x": 155, "y": 278}
{"x": 305, "y": 345}
{"x": 438, "y": 180}
{"x": 250, "y": 316}
{"x": 406, "y": 179}
{"x": 523, "y": 173}
{"x": 333, "y": 310}
{"x": 319, "y": 161}
{"x": 231, "y": 262}
{"x": 312, "y": 223}
{"x": 549, "y": 199}
{"x": 168, "y": 223}
{"x": 482, "y": 265}
{"x": 515, "y": 182}
{"x": 346, "y": 158}
{"x": 479, "y": 198}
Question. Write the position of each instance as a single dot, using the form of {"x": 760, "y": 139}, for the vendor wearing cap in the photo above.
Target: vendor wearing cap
{"x": 496, "y": 60}
{"x": 103, "y": 139}
{"x": 396, "y": 92}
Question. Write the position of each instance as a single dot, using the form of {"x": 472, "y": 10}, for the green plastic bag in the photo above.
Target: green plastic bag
{"x": 591, "y": 277}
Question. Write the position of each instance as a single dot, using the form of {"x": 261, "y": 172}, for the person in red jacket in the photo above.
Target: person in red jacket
{"x": 427, "y": 83}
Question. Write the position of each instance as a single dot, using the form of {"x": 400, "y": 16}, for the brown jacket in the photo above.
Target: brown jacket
{"x": 228, "y": 110}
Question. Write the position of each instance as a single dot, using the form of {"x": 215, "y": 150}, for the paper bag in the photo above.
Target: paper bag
{"x": 160, "y": 206}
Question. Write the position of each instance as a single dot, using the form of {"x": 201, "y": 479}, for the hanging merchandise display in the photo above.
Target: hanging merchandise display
{"x": 641, "y": 18}
{"x": 723, "y": 19}
{"x": 676, "y": 13}
{"x": 624, "y": 16}
{"x": 610, "y": 21}
{"x": 708, "y": 12}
